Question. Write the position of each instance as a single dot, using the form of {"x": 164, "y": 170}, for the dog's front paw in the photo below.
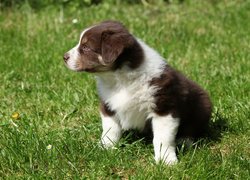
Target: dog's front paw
{"x": 107, "y": 143}
{"x": 168, "y": 158}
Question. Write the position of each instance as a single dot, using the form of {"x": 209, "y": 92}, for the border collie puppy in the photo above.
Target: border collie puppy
{"x": 137, "y": 86}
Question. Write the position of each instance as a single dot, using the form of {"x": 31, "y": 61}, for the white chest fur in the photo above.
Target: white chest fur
{"x": 131, "y": 102}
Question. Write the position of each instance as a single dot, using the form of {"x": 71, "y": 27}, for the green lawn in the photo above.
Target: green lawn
{"x": 207, "y": 41}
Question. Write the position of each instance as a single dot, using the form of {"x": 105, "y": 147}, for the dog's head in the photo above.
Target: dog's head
{"x": 100, "y": 47}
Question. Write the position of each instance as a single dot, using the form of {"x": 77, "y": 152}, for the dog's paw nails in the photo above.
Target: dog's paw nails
{"x": 171, "y": 162}
{"x": 168, "y": 160}
{"x": 107, "y": 144}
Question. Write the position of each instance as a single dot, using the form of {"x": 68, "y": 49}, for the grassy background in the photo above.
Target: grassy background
{"x": 206, "y": 40}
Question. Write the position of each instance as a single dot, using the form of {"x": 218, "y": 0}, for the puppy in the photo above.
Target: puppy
{"x": 137, "y": 86}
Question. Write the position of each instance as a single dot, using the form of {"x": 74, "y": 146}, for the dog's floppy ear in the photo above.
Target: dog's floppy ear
{"x": 113, "y": 43}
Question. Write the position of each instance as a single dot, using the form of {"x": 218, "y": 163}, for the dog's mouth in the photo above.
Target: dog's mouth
{"x": 76, "y": 68}
{"x": 73, "y": 68}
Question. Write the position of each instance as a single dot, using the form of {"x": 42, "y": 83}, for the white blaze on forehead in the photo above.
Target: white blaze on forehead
{"x": 83, "y": 32}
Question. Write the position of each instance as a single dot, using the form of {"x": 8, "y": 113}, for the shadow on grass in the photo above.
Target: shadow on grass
{"x": 133, "y": 136}
{"x": 217, "y": 126}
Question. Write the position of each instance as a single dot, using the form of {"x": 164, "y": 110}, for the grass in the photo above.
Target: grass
{"x": 207, "y": 41}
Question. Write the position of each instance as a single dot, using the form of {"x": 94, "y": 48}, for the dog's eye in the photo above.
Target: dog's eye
{"x": 85, "y": 48}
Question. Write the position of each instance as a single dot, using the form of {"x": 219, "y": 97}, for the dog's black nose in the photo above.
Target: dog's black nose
{"x": 66, "y": 57}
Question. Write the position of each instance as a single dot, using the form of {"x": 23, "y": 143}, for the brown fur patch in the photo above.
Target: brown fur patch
{"x": 183, "y": 99}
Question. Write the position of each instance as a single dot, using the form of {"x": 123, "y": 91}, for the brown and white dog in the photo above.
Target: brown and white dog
{"x": 136, "y": 85}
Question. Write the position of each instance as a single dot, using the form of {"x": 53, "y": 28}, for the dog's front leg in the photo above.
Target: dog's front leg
{"x": 165, "y": 129}
{"x": 111, "y": 131}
